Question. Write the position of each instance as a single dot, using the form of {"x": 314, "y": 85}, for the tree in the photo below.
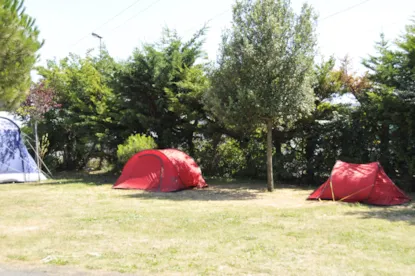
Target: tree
{"x": 406, "y": 56}
{"x": 160, "y": 90}
{"x": 391, "y": 103}
{"x": 41, "y": 99}
{"x": 395, "y": 68}
{"x": 383, "y": 66}
{"x": 85, "y": 121}
{"x": 328, "y": 84}
{"x": 264, "y": 77}
{"x": 18, "y": 46}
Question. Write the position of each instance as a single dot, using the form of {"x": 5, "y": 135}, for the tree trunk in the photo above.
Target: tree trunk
{"x": 270, "y": 175}
{"x": 37, "y": 152}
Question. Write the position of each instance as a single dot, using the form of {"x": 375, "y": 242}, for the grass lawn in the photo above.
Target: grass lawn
{"x": 230, "y": 228}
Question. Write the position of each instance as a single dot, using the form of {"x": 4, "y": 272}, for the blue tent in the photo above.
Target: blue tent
{"x": 16, "y": 164}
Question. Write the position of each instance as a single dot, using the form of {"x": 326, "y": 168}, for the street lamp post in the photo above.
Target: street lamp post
{"x": 100, "y": 43}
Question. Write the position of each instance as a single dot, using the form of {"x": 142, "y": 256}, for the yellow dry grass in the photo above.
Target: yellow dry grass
{"x": 235, "y": 228}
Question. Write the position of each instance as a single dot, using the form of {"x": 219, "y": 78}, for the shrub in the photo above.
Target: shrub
{"x": 132, "y": 145}
{"x": 231, "y": 158}
{"x": 221, "y": 157}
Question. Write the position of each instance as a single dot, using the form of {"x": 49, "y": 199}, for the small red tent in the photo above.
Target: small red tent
{"x": 366, "y": 183}
{"x": 160, "y": 171}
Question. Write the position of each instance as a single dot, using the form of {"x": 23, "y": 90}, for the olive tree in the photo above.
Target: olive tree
{"x": 264, "y": 74}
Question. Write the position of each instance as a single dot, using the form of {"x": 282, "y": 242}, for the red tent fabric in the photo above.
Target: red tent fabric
{"x": 160, "y": 171}
{"x": 366, "y": 183}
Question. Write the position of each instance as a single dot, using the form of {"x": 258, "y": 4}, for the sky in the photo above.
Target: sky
{"x": 345, "y": 27}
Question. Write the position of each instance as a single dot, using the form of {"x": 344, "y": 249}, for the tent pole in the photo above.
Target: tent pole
{"x": 37, "y": 152}
{"x": 41, "y": 161}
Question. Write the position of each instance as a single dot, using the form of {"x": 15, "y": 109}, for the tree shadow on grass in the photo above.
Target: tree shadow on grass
{"x": 84, "y": 178}
{"x": 218, "y": 190}
{"x": 254, "y": 184}
{"x": 206, "y": 194}
{"x": 405, "y": 213}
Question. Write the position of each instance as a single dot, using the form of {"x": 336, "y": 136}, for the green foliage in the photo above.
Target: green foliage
{"x": 81, "y": 128}
{"x": 231, "y": 159}
{"x": 19, "y": 42}
{"x": 221, "y": 156}
{"x": 255, "y": 151}
{"x": 390, "y": 105}
{"x": 160, "y": 90}
{"x": 328, "y": 81}
{"x": 382, "y": 65}
{"x": 265, "y": 68}
{"x": 133, "y": 145}
{"x": 265, "y": 65}
{"x": 264, "y": 87}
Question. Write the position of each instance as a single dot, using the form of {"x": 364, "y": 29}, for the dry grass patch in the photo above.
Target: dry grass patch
{"x": 233, "y": 228}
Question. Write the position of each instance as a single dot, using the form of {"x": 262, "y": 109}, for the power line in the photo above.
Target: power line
{"x": 106, "y": 22}
{"x": 219, "y": 15}
{"x": 121, "y": 12}
{"x": 345, "y": 10}
{"x": 137, "y": 14}
{"x": 209, "y": 20}
{"x": 76, "y": 43}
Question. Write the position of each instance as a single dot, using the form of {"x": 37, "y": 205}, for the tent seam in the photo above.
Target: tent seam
{"x": 174, "y": 166}
{"x": 374, "y": 182}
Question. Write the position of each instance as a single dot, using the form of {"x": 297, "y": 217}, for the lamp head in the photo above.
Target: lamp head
{"x": 94, "y": 34}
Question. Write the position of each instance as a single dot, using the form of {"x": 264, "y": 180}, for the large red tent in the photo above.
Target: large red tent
{"x": 365, "y": 183}
{"x": 165, "y": 170}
